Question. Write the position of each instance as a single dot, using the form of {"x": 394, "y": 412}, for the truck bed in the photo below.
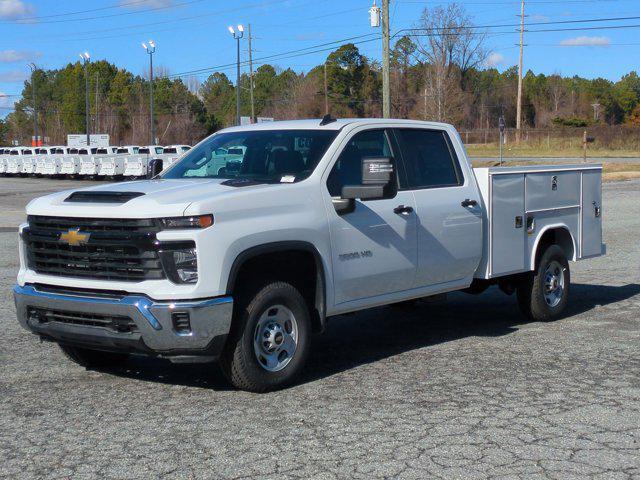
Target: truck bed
{"x": 521, "y": 203}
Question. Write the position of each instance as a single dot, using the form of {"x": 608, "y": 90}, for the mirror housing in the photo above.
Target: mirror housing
{"x": 155, "y": 168}
{"x": 377, "y": 174}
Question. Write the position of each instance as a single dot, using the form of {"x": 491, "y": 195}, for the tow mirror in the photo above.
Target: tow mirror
{"x": 155, "y": 168}
{"x": 376, "y": 178}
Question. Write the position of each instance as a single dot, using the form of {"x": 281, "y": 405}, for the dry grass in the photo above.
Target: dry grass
{"x": 524, "y": 150}
{"x": 611, "y": 172}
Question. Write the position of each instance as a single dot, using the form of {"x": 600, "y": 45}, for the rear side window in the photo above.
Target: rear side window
{"x": 429, "y": 159}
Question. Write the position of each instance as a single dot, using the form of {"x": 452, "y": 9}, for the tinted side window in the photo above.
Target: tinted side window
{"x": 429, "y": 159}
{"x": 348, "y": 168}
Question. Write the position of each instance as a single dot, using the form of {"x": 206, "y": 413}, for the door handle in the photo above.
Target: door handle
{"x": 469, "y": 203}
{"x": 403, "y": 210}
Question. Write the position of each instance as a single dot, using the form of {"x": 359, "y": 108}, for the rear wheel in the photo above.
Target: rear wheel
{"x": 543, "y": 294}
{"x": 93, "y": 358}
{"x": 269, "y": 342}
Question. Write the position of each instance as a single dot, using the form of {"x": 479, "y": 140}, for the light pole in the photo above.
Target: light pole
{"x": 237, "y": 35}
{"x": 33, "y": 101}
{"x": 151, "y": 48}
{"x": 380, "y": 16}
{"x": 86, "y": 58}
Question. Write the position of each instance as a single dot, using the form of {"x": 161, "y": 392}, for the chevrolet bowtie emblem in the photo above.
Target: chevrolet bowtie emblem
{"x": 74, "y": 238}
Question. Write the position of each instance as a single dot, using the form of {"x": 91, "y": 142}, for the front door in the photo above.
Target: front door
{"x": 373, "y": 248}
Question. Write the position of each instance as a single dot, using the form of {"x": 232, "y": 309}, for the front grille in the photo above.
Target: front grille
{"x": 115, "y": 323}
{"x": 116, "y": 249}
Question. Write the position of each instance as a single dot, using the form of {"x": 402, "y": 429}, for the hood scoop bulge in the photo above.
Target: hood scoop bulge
{"x": 102, "y": 197}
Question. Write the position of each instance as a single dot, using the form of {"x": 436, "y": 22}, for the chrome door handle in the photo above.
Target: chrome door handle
{"x": 403, "y": 210}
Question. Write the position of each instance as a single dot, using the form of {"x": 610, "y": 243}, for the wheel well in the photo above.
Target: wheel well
{"x": 301, "y": 267}
{"x": 556, "y": 236}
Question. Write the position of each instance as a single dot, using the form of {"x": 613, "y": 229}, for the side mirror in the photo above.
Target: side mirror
{"x": 155, "y": 168}
{"x": 376, "y": 178}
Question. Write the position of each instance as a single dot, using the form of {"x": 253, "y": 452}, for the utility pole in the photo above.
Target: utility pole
{"x": 86, "y": 58}
{"x": 151, "y": 49}
{"x": 97, "y": 126}
{"x": 237, "y": 36}
{"x": 326, "y": 90}
{"x": 520, "y": 66}
{"x": 253, "y": 107}
{"x": 33, "y": 100}
{"x": 386, "y": 89}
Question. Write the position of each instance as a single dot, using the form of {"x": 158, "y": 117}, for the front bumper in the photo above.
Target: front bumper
{"x": 155, "y": 332}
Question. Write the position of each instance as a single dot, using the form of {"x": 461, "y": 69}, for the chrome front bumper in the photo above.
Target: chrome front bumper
{"x": 210, "y": 321}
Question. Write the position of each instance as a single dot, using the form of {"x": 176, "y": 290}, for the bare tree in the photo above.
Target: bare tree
{"x": 450, "y": 47}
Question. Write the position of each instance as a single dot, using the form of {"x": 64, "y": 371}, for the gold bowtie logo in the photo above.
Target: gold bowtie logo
{"x": 74, "y": 237}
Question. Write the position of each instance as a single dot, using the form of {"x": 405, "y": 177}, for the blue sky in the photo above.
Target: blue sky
{"x": 192, "y": 34}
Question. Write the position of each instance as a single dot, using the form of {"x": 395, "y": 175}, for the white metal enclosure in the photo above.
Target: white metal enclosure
{"x": 522, "y": 203}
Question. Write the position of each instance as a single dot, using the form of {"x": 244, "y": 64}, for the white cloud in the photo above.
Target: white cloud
{"x": 13, "y": 76}
{"x": 5, "y": 103}
{"x": 585, "y": 41}
{"x": 8, "y": 56}
{"x": 15, "y": 9}
{"x": 146, "y": 3}
{"x": 494, "y": 59}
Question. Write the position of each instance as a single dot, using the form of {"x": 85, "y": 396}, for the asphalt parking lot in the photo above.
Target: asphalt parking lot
{"x": 464, "y": 389}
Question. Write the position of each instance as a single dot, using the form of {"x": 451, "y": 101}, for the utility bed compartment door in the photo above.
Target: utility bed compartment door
{"x": 552, "y": 190}
{"x": 591, "y": 213}
{"x": 507, "y": 224}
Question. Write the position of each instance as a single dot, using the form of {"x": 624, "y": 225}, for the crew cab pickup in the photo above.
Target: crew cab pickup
{"x": 320, "y": 218}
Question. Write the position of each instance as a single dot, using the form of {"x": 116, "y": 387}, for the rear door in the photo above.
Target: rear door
{"x": 449, "y": 228}
{"x": 373, "y": 248}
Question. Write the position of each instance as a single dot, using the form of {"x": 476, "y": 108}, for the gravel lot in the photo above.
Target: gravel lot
{"x": 464, "y": 389}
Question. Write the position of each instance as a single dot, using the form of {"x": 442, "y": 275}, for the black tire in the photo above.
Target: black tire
{"x": 93, "y": 358}
{"x": 531, "y": 290}
{"x": 239, "y": 361}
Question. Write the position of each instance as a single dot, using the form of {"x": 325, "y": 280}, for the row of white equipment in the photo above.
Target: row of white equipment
{"x": 112, "y": 162}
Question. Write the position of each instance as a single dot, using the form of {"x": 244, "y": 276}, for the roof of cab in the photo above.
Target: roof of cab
{"x": 314, "y": 124}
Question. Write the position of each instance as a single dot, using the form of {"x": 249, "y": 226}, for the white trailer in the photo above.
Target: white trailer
{"x": 52, "y": 164}
{"x": 71, "y": 162}
{"x": 172, "y": 153}
{"x": 4, "y": 153}
{"x": 113, "y": 165}
{"x": 90, "y": 162}
{"x": 16, "y": 158}
{"x": 138, "y": 165}
{"x": 29, "y": 162}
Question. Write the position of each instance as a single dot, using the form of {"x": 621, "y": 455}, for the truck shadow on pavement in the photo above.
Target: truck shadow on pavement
{"x": 372, "y": 335}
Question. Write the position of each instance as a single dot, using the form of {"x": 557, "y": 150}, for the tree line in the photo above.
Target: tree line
{"x": 438, "y": 72}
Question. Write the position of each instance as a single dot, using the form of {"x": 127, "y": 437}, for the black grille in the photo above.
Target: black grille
{"x": 115, "y": 249}
{"x": 116, "y": 323}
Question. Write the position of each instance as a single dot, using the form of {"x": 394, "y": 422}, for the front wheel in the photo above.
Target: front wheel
{"x": 544, "y": 293}
{"x": 269, "y": 342}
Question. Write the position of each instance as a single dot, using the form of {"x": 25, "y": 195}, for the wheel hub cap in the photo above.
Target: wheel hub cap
{"x": 276, "y": 338}
{"x": 554, "y": 284}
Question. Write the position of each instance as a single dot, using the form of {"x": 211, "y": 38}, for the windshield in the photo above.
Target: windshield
{"x": 267, "y": 156}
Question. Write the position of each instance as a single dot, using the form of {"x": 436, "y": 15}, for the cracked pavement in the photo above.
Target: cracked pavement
{"x": 463, "y": 389}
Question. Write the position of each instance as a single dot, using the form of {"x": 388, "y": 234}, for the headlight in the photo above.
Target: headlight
{"x": 177, "y": 223}
{"x": 180, "y": 264}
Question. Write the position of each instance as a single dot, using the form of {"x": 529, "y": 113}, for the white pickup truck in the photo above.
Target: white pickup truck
{"x": 137, "y": 166}
{"x": 321, "y": 218}
{"x": 114, "y": 165}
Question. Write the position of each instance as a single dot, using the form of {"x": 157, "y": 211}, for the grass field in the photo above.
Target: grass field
{"x": 611, "y": 172}
{"x": 524, "y": 150}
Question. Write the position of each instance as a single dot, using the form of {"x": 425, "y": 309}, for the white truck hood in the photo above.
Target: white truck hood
{"x": 160, "y": 198}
